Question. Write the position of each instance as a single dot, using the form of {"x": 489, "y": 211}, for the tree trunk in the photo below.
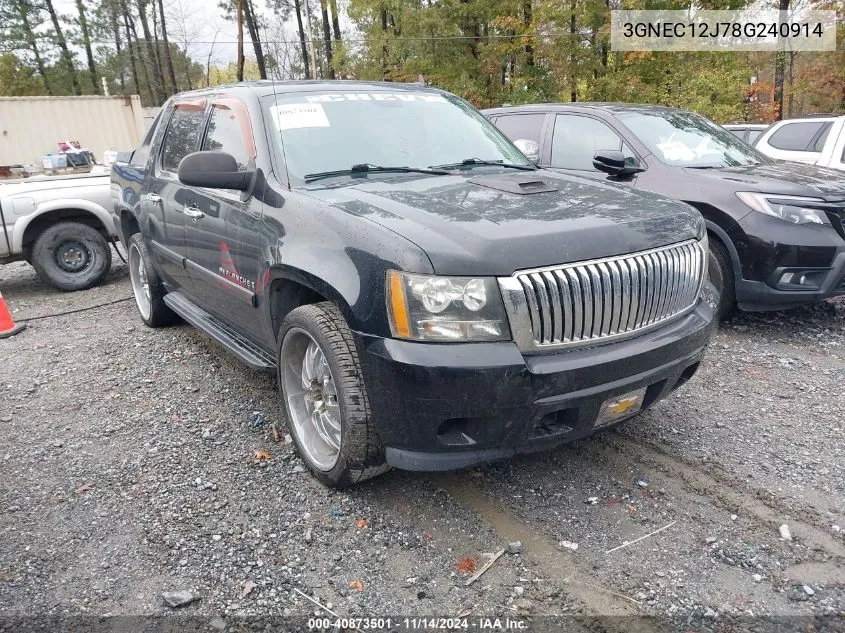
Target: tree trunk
{"x": 157, "y": 78}
{"x": 299, "y": 25}
{"x": 86, "y": 42}
{"x": 384, "y": 53}
{"x": 780, "y": 63}
{"x": 573, "y": 89}
{"x": 791, "y": 78}
{"x": 255, "y": 36}
{"x": 335, "y": 19}
{"x": 168, "y": 58}
{"x": 240, "y": 11}
{"x": 66, "y": 56}
{"x": 327, "y": 37}
{"x": 33, "y": 44}
{"x": 527, "y": 18}
{"x": 140, "y": 61}
{"x": 117, "y": 43}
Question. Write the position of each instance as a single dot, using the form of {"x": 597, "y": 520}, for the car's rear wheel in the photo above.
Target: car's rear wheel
{"x": 325, "y": 397}
{"x": 71, "y": 256}
{"x": 722, "y": 277}
{"x": 146, "y": 285}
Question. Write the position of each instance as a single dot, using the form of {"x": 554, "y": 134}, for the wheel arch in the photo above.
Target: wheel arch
{"x": 716, "y": 232}
{"x": 30, "y": 226}
{"x": 289, "y": 288}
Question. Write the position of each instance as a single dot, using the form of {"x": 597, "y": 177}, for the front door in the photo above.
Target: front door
{"x": 575, "y": 140}
{"x": 166, "y": 195}
{"x": 222, "y": 255}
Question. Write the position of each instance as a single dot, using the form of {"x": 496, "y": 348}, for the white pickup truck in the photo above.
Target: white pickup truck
{"x": 61, "y": 225}
{"x": 816, "y": 140}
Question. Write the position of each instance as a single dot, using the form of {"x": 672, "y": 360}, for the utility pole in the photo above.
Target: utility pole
{"x": 310, "y": 41}
{"x": 240, "y": 9}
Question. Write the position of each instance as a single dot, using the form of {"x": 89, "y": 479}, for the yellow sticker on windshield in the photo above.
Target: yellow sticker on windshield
{"x": 299, "y": 115}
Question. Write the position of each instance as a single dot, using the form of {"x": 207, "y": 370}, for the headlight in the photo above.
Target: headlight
{"x": 460, "y": 309}
{"x": 789, "y": 208}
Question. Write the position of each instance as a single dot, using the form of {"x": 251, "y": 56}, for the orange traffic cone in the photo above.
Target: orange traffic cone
{"x": 7, "y": 324}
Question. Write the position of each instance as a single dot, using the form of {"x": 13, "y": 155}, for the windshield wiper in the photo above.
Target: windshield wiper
{"x": 471, "y": 162}
{"x": 366, "y": 168}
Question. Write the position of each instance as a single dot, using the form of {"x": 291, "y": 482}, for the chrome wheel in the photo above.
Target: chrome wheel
{"x": 140, "y": 283}
{"x": 312, "y": 399}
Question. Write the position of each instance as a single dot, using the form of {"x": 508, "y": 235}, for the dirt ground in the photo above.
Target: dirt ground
{"x": 136, "y": 462}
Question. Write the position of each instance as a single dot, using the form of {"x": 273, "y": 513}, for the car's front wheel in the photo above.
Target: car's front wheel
{"x": 325, "y": 397}
{"x": 722, "y": 277}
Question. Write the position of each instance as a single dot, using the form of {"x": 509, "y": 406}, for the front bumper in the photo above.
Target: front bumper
{"x": 773, "y": 248}
{"x": 446, "y": 406}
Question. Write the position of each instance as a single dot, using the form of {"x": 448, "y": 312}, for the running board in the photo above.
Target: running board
{"x": 228, "y": 337}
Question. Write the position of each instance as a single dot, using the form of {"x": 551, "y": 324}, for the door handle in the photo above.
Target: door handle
{"x": 193, "y": 212}
{"x": 153, "y": 197}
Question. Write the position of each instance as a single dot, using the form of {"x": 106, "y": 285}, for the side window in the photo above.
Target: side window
{"x": 517, "y": 126}
{"x": 821, "y": 137}
{"x": 182, "y": 135}
{"x": 796, "y": 137}
{"x": 753, "y": 135}
{"x": 229, "y": 131}
{"x": 576, "y": 140}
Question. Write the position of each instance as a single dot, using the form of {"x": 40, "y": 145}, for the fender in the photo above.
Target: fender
{"x": 315, "y": 283}
{"x": 71, "y": 204}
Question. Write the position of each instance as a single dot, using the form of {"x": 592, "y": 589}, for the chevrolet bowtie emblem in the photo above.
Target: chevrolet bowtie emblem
{"x": 622, "y": 406}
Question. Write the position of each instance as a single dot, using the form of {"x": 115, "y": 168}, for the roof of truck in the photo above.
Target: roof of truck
{"x": 266, "y": 87}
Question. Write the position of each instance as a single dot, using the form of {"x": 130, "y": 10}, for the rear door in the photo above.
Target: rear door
{"x": 166, "y": 197}
{"x": 223, "y": 226}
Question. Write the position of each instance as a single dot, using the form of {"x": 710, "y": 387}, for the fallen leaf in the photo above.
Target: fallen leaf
{"x": 247, "y": 589}
{"x": 175, "y": 417}
{"x": 362, "y": 523}
{"x": 84, "y": 488}
{"x": 427, "y": 535}
{"x": 467, "y": 565}
{"x": 356, "y": 585}
{"x": 276, "y": 435}
{"x": 259, "y": 455}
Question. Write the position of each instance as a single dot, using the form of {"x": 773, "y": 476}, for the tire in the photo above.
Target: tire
{"x": 359, "y": 454}
{"x": 722, "y": 277}
{"x": 150, "y": 301}
{"x": 71, "y": 256}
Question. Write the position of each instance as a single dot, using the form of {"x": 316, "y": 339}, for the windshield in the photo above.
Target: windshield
{"x": 327, "y": 132}
{"x": 684, "y": 139}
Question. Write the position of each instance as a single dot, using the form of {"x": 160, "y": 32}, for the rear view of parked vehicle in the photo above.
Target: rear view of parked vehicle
{"x": 427, "y": 297}
{"x": 817, "y": 140}
{"x": 775, "y": 229}
{"x": 60, "y": 225}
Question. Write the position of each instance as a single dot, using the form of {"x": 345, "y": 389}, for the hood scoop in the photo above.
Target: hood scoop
{"x": 521, "y": 184}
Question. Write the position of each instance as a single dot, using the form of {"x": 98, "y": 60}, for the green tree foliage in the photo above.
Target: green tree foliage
{"x": 18, "y": 79}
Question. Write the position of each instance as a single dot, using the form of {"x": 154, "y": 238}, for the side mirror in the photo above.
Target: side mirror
{"x": 214, "y": 170}
{"x": 614, "y": 162}
{"x": 531, "y": 149}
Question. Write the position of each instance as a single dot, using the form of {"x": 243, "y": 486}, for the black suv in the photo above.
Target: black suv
{"x": 427, "y": 297}
{"x": 775, "y": 227}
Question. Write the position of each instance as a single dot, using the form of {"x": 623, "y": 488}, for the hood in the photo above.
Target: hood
{"x": 782, "y": 177}
{"x": 493, "y": 224}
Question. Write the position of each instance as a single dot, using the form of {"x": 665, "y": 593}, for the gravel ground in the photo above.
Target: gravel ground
{"x": 137, "y": 462}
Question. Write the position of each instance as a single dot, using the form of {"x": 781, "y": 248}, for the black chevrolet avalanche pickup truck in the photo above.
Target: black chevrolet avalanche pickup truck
{"x": 427, "y": 297}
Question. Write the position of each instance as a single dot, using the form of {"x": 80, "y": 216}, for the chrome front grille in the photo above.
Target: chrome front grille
{"x": 591, "y": 302}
